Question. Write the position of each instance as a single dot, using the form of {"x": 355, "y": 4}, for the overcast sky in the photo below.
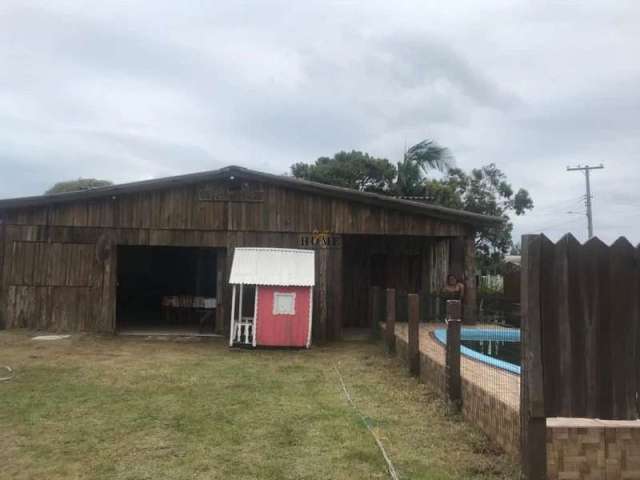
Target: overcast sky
{"x": 142, "y": 89}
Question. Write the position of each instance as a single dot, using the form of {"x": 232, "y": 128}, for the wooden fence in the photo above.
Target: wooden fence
{"x": 388, "y": 306}
{"x": 580, "y": 336}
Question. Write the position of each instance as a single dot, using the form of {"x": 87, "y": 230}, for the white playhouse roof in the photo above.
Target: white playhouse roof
{"x": 273, "y": 266}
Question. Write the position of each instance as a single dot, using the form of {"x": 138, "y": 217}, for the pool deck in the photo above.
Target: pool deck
{"x": 502, "y": 385}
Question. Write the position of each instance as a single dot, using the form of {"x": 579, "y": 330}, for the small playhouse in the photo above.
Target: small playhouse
{"x": 272, "y": 297}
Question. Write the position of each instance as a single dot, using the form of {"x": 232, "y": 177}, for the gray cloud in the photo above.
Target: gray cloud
{"x": 130, "y": 90}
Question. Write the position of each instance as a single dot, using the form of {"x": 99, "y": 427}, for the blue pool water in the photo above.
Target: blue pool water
{"x": 499, "y": 347}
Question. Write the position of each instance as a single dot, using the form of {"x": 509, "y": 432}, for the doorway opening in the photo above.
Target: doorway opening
{"x": 166, "y": 290}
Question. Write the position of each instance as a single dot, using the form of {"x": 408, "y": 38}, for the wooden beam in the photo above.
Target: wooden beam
{"x": 107, "y": 321}
{"x": 470, "y": 299}
{"x": 320, "y": 301}
{"x": 457, "y": 257}
{"x": 375, "y": 305}
{"x": 533, "y": 427}
{"x": 414, "y": 334}
{"x": 390, "y": 330}
{"x": 452, "y": 358}
{"x": 337, "y": 292}
{"x": 221, "y": 289}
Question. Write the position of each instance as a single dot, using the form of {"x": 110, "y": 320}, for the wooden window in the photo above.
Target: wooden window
{"x": 284, "y": 303}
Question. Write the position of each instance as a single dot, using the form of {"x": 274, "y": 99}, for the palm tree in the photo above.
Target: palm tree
{"x": 417, "y": 162}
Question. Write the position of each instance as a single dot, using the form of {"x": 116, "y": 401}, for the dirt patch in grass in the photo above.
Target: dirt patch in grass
{"x": 114, "y": 408}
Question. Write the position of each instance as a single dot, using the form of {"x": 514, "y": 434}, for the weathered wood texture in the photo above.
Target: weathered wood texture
{"x": 375, "y": 310}
{"x": 462, "y": 265}
{"x": 533, "y": 456}
{"x": 580, "y": 334}
{"x": 590, "y": 313}
{"x": 470, "y": 299}
{"x": 406, "y": 264}
{"x": 64, "y": 278}
{"x": 279, "y": 210}
{"x": 59, "y": 261}
{"x": 390, "y": 327}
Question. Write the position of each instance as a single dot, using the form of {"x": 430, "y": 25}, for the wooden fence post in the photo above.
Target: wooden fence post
{"x": 374, "y": 311}
{"x": 390, "y": 330}
{"x": 453, "y": 380}
{"x": 533, "y": 424}
{"x": 414, "y": 334}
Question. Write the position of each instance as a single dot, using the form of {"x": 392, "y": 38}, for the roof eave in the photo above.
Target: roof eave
{"x": 376, "y": 199}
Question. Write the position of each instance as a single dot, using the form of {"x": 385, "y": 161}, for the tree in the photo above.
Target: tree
{"x": 355, "y": 170}
{"x": 78, "y": 185}
{"x": 416, "y": 164}
{"x": 485, "y": 190}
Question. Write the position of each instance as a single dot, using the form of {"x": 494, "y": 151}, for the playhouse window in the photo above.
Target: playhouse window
{"x": 284, "y": 303}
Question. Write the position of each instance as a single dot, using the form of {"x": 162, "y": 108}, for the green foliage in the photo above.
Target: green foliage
{"x": 428, "y": 155}
{"x": 485, "y": 190}
{"x": 78, "y": 185}
{"x": 417, "y": 162}
{"x": 355, "y": 170}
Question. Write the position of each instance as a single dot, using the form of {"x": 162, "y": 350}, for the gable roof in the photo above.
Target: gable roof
{"x": 273, "y": 266}
{"x": 369, "y": 198}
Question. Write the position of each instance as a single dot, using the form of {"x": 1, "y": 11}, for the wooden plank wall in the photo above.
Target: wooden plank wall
{"x": 406, "y": 264}
{"x": 59, "y": 265}
{"x": 439, "y": 262}
{"x": 281, "y": 210}
{"x": 590, "y": 337}
{"x": 64, "y": 278}
{"x": 52, "y": 285}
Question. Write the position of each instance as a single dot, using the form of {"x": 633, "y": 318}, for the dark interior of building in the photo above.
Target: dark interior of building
{"x": 166, "y": 289}
{"x": 377, "y": 261}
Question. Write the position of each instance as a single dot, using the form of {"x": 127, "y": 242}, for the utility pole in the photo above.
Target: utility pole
{"x": 587, "y": 175}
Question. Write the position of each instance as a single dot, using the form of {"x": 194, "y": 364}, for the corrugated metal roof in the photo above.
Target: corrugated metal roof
{"x": 273, "y": 266}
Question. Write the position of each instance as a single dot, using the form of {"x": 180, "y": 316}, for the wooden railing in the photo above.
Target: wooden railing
{"x": 384, "y": 308}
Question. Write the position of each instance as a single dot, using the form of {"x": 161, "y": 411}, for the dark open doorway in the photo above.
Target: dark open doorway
{"x": 166, "y": 290}
{"x": 385, "y": 262}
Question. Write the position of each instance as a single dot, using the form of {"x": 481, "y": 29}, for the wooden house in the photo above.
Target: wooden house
{"x": 111, "y": 259}
{"x": 273, "y": 305}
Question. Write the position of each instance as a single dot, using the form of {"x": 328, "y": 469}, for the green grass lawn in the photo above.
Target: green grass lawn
{"x": 114, "y": 408}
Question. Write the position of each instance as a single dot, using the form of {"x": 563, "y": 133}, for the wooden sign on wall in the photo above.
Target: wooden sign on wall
{"x": 319, "y": 239}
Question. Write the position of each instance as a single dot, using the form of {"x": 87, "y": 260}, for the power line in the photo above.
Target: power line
{"x": 555, "y": 225}
{"x": 557, "y": 205}
{"x": 587, "y": 175}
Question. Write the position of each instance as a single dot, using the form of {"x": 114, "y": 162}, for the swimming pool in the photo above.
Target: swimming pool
{"x": 499, "y": 347}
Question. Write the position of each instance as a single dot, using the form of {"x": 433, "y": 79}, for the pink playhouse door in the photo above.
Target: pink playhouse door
{"x": 284, "y": 316}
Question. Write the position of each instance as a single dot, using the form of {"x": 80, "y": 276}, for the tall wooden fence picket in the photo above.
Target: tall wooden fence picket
{"x": 580, "y": 336}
